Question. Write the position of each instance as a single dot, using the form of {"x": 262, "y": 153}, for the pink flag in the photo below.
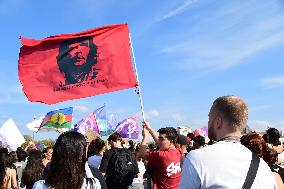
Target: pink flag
{"x": 202, "y": 131}
{"x": 89, "y": 123}
{"x": 128, "y": 128}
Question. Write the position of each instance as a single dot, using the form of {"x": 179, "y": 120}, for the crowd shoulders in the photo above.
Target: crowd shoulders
{"x": 96, "y": 184}
{"x": 172, "y": 161}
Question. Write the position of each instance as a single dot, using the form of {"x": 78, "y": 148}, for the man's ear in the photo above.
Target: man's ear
{"x": 219, "y": 122}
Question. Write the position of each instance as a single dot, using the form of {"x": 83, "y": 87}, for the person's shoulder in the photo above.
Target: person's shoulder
{"x": 109, "y": 152}
{"x": 40, "y": 185}
{"x": 95, "y": 183}
{"x": 204, "y": 150}
{"x": 14, "y": 171}
{"x": 279, "y": 149}
{"x": 10, "y": 170}
{"x": 175, "y": 152}
{"x": 91, "y": 158}
{"x": 165, "y": 153}
{"x": 264, "y": 174}
{"x": 216, "y": 149}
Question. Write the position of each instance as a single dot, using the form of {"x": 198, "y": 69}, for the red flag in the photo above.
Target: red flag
{"x": 72, "y": 66}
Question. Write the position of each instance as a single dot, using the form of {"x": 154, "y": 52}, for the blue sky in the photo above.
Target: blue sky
{"x": 188, "y": 53}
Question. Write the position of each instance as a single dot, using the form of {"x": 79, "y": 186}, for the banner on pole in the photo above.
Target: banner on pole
{"x": 73, "y": 66}
{"x": 57, "y": 120}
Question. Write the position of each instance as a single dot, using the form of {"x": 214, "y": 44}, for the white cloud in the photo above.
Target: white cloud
{"x": 180, "y": 9}
{"x": 273, "y": 82}
{"x": 152, "y": 114}
{"x": 83, "y": 109}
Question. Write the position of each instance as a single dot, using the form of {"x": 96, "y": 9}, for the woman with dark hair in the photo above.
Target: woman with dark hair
{"x": 256, "y": 144}
{"x": 95, "y": 152}
{"x": 12, "y": 159}
{"x": 46, "y": 155}
{"x": 7, "y": 175}
{"x": 67, "y": 166}
{"x": 21, "y": 163}
{"x": 273, "y": 136}
{"x": 33, "y": 170}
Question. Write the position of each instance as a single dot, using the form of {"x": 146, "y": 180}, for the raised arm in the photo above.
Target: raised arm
{"x": 154, "y": 135}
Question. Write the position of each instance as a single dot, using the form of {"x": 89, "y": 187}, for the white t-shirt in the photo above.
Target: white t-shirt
{"x": 142, "y": 170}
{"x": 223, "y": 165}
{"x": 41, "y": 184}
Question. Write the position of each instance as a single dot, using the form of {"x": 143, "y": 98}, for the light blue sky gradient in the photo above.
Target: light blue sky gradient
{"x": 188, "y": 53}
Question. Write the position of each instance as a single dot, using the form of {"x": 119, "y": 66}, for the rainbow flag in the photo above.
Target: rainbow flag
{"x": 58, "y": 119}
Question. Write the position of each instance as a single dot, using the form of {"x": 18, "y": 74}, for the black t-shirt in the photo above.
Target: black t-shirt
{"x": 278, "y": 169}
{"x": 106, "y": 157}
{"x": 46, "y": 170}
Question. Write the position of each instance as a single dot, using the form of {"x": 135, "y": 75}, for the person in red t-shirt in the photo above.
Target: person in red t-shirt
{"x": 166, "y": 160}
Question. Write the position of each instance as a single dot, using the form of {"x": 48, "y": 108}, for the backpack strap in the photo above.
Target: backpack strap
{"x": 90, "y": 181}
{"x": 254, "y": 164}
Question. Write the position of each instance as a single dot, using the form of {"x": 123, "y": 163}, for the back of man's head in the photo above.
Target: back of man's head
{"x": 115, "y": 137}
{"x": 170, "y": 132}
{"x": 233, "y": 109}
{"x": 182, "y": 140}
{"x": 199, "y": 140}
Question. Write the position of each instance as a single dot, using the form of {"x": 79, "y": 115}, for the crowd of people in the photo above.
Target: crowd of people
{"x": 229, "y": 160}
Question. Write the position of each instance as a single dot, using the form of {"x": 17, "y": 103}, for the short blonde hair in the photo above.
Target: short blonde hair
{"x": 233, "y": 109}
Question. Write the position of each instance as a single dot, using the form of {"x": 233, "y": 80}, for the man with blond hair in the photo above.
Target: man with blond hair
{"x": 226, "y": 164}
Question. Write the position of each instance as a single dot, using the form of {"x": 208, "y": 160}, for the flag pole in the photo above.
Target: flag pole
{"x": 136, "y": 73}
{"x": 33, "y": 131}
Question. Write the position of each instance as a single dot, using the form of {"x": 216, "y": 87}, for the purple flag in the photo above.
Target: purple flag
{"x": 89, "y": 123}
{"x": 102, "y": 123}
{"x": 128, "y": 128}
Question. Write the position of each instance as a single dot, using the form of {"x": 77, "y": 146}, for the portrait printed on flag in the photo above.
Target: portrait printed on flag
{"x": 77, "y": 59}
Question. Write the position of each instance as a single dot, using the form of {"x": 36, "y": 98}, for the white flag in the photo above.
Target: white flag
{"x": 34, "y": 125}
{"x": 10, "y": 136}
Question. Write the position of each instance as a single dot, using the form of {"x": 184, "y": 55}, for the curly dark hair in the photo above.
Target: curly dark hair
{"x": 67, "y": 167}
{"x": 21, "y": 154}
{"x": 170, "y": 132}
{"x": 12, "y": 158}
{"x": 33, "y": 170}
{"x": 3, "y": 164}
{"x": 200, "y": 140}
{"x": 95, "y": 147}
{"x": 256, "y": 143}
{"x": 273, "y": 135}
